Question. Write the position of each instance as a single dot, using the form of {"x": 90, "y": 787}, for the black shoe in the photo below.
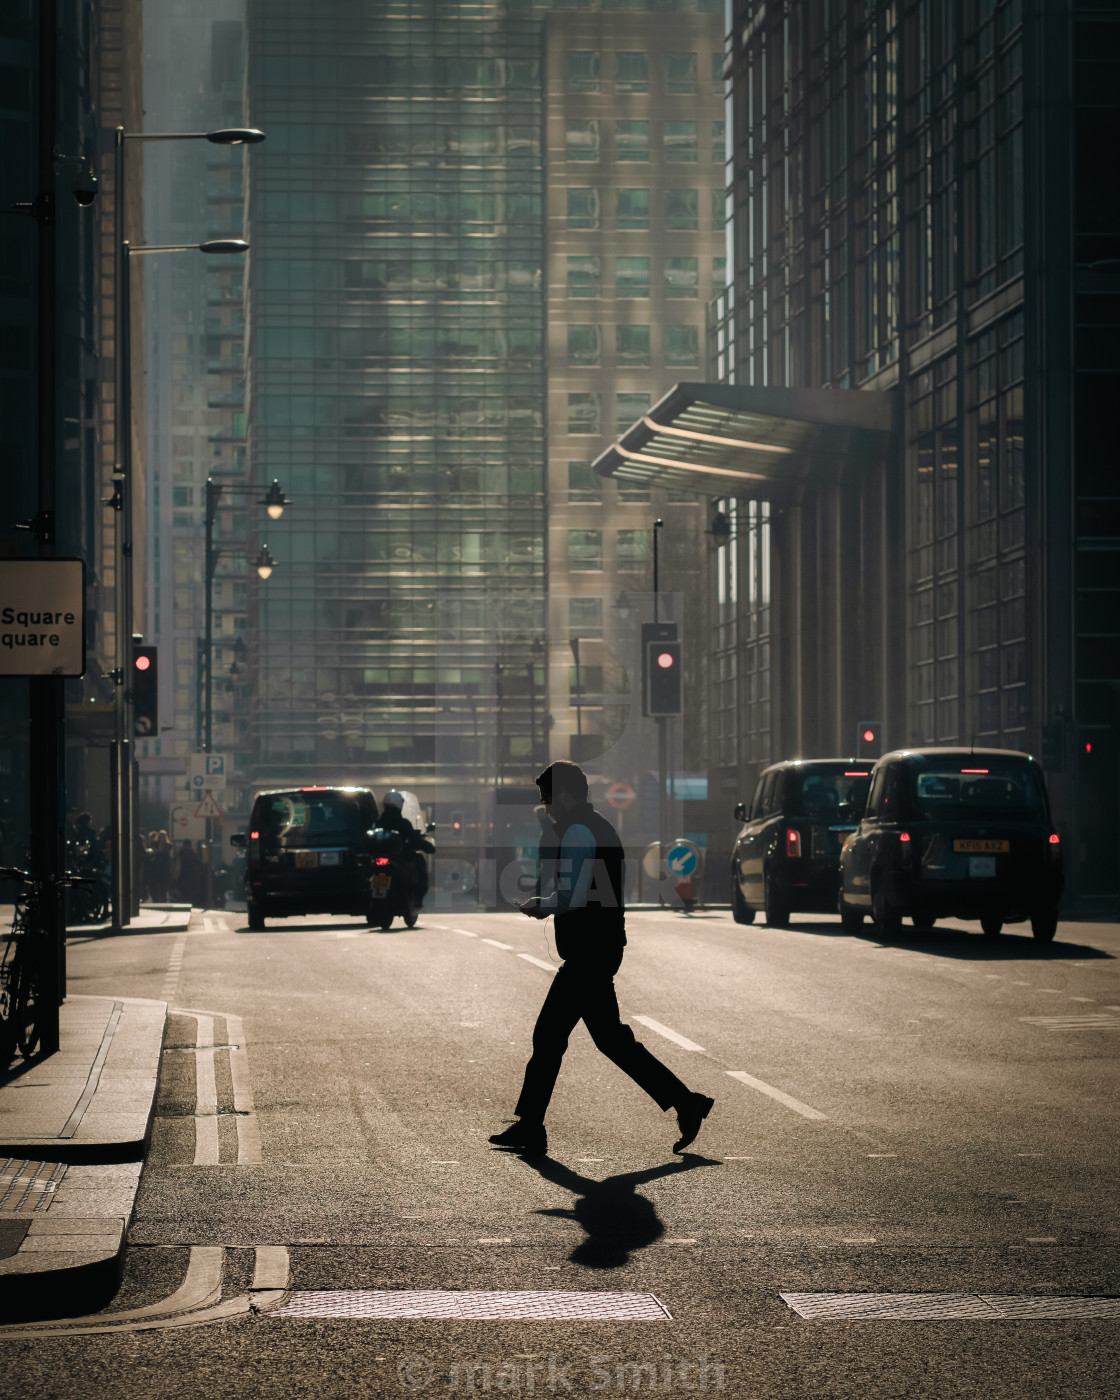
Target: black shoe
{"x": 690, "y": 1115}
{"x": 529, "y": 1138}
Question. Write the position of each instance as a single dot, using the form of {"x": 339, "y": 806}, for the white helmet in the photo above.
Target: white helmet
{"x": 393, "y": 799}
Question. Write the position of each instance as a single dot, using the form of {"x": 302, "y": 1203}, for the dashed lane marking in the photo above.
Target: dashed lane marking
{"x": 505, "y": 947}
{"x": 174, "y": 967}
{"x": 466, "y": 932}
{"x": 669, "y": 1034}
{"x": 1092, "y": 1021}
{"x": 777, "y": 1094}
{"x": 903, "y": 1307}
{"x": 537, "y": 962}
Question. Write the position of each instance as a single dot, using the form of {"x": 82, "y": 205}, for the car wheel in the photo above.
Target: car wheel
{"x": 385, "y": 922}
{"x": 741, "y": 911}
{"x": 851, "y": 920}
{"x": 777, "y": 913}
{"x": 888, "y": 920}
{"x": 923, "y": 919}
{"x": 1044, "y": 925}
{"x": 256, "y": 916}
{"x": 412, "y": 913}
{"x": 991, "y": 925}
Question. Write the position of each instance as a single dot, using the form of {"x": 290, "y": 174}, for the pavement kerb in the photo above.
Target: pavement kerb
{"x": 153, "y": 918}
{"x": 71, "y": 1166}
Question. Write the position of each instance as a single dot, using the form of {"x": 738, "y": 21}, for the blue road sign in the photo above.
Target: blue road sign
{"x": 682, "y": 860}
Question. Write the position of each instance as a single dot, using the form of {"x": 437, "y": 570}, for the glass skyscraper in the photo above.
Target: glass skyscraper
{"x": 397, "y": 389}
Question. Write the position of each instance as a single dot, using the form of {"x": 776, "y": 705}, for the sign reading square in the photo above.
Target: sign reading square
{"x": 42, "y": 617}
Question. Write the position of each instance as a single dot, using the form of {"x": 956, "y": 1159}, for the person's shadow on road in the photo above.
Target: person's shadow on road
{"x": 616, "y": 1218}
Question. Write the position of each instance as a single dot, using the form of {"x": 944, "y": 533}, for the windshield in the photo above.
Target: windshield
{"x": 981, "y": 789}
{"x": 828, "y": 794}
{"x": 314, "y": 818}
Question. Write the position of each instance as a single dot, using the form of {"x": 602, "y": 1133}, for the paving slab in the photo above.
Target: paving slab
{"x": 74, "y": 1128}
{"x": 152, "y": 918}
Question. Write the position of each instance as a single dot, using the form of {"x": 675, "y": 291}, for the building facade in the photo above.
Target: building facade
{"x": 920, "y": 215}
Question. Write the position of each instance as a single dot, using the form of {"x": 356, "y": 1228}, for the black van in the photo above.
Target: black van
{"x": 954, "y": 833}
{"x": 308, "y": 852}
{"x": 787, "y": 856}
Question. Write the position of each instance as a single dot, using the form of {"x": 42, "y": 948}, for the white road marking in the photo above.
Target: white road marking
{"x": 465, "y": 932}
{"x": 678, "y": 1241}
{"x": 669, "y": 1034}
{"x": 1020, "y": 984}
{"x": 248, "y": 1124}
{"x": 1030, "y": 1154}
{"x": 495, "y": 1241}
{"x": 537, "y": 962}
{"x": 206, "y": 1088}
{"x": 858, "y": 1239}
{"x": 505, "y": 947}
{"x": 783, "y": 1098}
{"x": 882, "y": 1154}
{"x": 738, "y": 1159}
{"x": 174, "y": 967}
{"x": 206, "y": 1141}
{"x": 1082, "y": 998}
{"x": 1042, "y": 1239}
{"x": 1093, "y": 1021}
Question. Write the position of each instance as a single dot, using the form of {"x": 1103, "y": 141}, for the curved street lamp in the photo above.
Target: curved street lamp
{"x": 265, "y": 562}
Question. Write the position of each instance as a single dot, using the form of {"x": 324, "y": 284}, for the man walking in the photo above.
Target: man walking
{"x": 587, "y": 901}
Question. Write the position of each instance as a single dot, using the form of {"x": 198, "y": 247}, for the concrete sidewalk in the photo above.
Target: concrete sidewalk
{"x": 74, "y": 1127}
{"x": 152, "y": 918}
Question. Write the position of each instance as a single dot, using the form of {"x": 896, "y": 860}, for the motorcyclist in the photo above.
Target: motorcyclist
{"x": 392, "y": 818}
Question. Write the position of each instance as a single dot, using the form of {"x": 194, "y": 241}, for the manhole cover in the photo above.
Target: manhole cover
{"x": 528, "y": 1305}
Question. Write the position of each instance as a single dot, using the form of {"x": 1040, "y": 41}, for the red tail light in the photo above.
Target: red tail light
{"x": 254, "y": 836}
{"x": 1055, "y": 839}
{"x": 793, "y": 844}
{"x": 904, "y": 836}
{"x": 381, "y": 860}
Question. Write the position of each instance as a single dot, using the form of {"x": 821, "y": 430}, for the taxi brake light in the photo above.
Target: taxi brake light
{"x": 1055, "y": 839}
{"x": 974, "y": 770}
{"x": 857, "y": 773}
{"x": 793, "y": 844}
{"x": 254, "y": 836}
{"x": 381, "y": 860}
{"x": 904, "y": 836}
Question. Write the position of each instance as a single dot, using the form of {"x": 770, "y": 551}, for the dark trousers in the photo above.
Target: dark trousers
{"x": 583, "y": 990}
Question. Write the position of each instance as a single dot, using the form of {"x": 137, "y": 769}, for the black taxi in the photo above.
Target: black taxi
{"x": 308, "y": 851}
{"x": 954, "y": 833}
{"x": 787, "y": 856}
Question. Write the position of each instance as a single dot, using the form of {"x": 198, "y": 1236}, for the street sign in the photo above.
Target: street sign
{"x": 207, "y": 765}
{"x": 208, "y": 808}
{"x": 620, "y": 796}
{"x": 185, "y": 826}
{"x": 42, "y": 617}
{"x": 682, "y": 860}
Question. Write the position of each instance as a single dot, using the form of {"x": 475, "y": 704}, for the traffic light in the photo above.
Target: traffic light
{"x": 145, "y": 693}
{"x": 1054, "y": 746}
{"x": 654, "y": 632}
{"x": 869, "y": 738}
{"x": 663, "y": 672}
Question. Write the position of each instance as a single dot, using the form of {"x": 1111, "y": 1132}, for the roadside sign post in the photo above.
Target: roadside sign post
{"x": 42, "y": 637}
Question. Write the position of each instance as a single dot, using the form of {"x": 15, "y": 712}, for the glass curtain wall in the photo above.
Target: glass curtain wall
{"x": 397, "y": 389}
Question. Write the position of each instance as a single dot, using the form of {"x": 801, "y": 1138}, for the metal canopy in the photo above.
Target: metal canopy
{"x": 723, "y": 440}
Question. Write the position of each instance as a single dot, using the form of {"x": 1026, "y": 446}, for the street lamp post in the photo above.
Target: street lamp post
{"x": 124, "y": 903}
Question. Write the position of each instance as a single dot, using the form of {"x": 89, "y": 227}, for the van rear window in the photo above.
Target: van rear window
{"x": 313, "y": 819}
{"x": 827, "y": 794}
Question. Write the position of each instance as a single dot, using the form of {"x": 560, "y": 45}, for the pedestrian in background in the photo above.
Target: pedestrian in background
{"x": 584, "y": 890}
{"x": 160, "y": 867}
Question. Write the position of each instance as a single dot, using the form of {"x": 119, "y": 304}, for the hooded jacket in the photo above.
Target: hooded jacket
{"x": 588, "y": 898}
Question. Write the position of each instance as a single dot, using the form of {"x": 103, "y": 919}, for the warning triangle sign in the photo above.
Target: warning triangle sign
{"x": 208, "y": 807}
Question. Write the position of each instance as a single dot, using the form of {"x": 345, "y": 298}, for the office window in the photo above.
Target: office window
{"x": 631, "y": 140}
{"x": 583, "y": 345}
{"x": 719, "y": 273}
{"x": 583, "y": 413}
{"x": 633, "y": 208}
{"x": 682, "y": 277}
{"x": 681, "y": 141}
{"x": 583, "y": 484}
{"x": 719, "y": 149}
{"x": 633, "y": 345}
{"x": 632, "y": 277}
{"x": 682, "y": 209}
{"x": 632, "y": 72}
{"x": 585, "y": 617}
{"x": 633, "y": 549}
{"x": 582, "y": 70}
{"x": 682, "y": 345}
{"x": 585, "y": 550}
{"x": 583, "y": 276}
{"x": 719, "y": 209}
{"x": 628, "y": 408}
{"x": 717, "y": 72}
{"x": 583, "y": 207}
{"x": 581, "y": 140}
{"x": 632, "y": 492}
{"x": 680, "y": 72}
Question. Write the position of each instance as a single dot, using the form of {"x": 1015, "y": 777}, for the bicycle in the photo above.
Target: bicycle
{"x": 22, "y": 995}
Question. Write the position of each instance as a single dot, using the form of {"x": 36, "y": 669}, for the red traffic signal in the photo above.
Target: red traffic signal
{"x": 663, "y": 678}
{"x": 145, "y": 692}
{"x": 869, "y": 738}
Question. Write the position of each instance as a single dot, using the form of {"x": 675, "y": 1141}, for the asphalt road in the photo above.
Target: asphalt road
{"x": 937, "y": 1116}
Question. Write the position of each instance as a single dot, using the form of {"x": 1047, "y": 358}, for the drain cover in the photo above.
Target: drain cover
{"x": 28, "y": 1186}
{"x": 527, "y": 1305}
{"x": 847, "y": 1307}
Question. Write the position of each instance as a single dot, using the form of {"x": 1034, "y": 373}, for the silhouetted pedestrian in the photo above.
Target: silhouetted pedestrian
{"x": 585, "y": 892}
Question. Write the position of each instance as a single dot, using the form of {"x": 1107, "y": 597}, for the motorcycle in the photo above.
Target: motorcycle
{"x": 394, "y": 882}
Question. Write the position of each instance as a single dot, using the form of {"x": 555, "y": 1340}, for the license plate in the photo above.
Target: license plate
{"x": 982, "y": 867}
{"x": 307, "y": 860}
{"x": 330, "y": 857}
{"x": 378, "y": 884}
{"x": 981, "y": 847}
